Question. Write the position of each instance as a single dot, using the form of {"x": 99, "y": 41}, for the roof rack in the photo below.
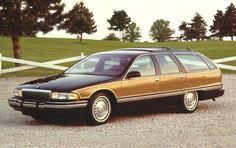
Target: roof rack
{"x": 162, "y": 47}
{"x": 153, "y": 49}
{"x": 168, "y": 48}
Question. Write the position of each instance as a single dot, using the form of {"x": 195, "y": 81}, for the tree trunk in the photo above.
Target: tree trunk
{"x": 221, "y": 38}
{"x": 81, "y": 37}
{"x": 121, "y": 35}
{"x": 232, "y": 38}
{"x": 16, "y": 48}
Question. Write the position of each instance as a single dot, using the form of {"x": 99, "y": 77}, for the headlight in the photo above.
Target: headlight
{"x": 17, "y": 93}
{"x": 64, "y": 96}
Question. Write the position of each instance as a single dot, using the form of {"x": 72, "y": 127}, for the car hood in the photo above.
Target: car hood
{"x": 66, "y": 82}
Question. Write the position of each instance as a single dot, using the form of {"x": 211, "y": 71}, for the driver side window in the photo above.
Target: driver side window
{"x": 144, "y": 65}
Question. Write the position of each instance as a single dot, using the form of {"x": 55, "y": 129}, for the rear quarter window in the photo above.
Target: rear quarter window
{"x": 192, "y": 62}
{"x": 209, "y": 63}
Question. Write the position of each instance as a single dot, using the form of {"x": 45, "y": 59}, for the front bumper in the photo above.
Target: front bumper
{"x": 21, "y": 105}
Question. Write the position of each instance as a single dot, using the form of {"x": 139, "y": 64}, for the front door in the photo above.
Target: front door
{"x": 144, "y": 85}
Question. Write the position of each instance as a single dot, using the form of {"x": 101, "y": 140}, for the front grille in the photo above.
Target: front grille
{"x": 35, "y": 95}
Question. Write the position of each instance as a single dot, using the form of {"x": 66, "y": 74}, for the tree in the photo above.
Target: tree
{"x": 24, "y": 17}
{"x": 111, "y": 37}
{"x": 198, "y": 27}
{"x": 132, "y": 33}
{"x": 187, "y": 31}
{"x": 218, "y": 27}
{"x": 78, "y": 21}
{"x": 119, "y": 21}
{"x": 184, "y": 28}
{"x": 230, "y": 21}
{"x": 160, "y": 30}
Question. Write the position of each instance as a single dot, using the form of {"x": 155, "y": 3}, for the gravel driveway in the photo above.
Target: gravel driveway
{"x": 148, "y": 125}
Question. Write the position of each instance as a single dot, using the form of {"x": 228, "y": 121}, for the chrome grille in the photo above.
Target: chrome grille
{"x": 36, "y": 94}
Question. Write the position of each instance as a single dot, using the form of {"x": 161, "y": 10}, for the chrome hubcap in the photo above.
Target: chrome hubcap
{"x": 101, "y": 108}
{"x": 191, "y": 100}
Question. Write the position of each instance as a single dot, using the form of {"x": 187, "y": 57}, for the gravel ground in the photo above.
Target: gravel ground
{"x": 212, "y": 125}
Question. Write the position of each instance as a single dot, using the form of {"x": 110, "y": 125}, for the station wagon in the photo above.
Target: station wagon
{"x": 100, "y": 81}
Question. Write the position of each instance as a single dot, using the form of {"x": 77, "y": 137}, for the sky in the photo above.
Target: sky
{"x": 144, "y": 13}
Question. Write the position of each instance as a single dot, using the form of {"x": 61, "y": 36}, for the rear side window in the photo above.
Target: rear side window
{"x": 192, "y": 62}
{"x": 209, "y": 63}
{"x": 167, "y": 64}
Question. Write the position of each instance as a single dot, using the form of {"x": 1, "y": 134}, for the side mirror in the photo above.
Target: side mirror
{"x": 133, "y": 74}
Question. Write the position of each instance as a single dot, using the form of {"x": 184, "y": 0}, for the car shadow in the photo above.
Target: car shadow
{"x": 144, "y": 108}
{"x": 124, "y": 110}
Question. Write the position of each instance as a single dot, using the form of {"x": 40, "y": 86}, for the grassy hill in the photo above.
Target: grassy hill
{"x": 47, "y": 49}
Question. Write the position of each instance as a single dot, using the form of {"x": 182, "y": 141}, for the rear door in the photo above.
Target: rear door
{"x": 171, "y": 78}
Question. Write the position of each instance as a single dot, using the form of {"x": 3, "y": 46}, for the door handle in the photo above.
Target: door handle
{"x": 181, "y": 77}
{"x": 157, "y": 80}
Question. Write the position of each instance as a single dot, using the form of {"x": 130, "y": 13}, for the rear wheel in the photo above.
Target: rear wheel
{"x": 189, "y": 102}
{"x": 99, "y": 109}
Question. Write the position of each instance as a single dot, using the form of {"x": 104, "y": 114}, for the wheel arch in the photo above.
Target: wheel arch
{"x": 110, "y": 93}
{"x": 200, "y": 94}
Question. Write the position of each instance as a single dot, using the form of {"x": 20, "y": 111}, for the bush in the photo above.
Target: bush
{"x": 111, "y": 37}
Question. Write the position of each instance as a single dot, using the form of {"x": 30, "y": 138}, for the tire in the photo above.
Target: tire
{"x": 188, "y": 103}
{"x": 99, "y": 109}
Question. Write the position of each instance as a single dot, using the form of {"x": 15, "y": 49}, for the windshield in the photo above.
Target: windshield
{"x": 102, "y": 64}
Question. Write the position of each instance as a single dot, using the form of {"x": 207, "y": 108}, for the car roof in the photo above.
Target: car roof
{"x": 145, "y": 50}
{"x": 156, "y": 49}
{"x": 124, "y": 52}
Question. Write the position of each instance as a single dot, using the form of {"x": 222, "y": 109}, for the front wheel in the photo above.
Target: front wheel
{"x": 99, "y": 109}
{"x": 189, "y": 102}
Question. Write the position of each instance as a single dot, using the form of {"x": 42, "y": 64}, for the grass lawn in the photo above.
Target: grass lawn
{"x": 47, "y": 49}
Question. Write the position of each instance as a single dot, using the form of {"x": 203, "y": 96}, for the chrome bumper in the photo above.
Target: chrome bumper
{"x": 21, "y": 105}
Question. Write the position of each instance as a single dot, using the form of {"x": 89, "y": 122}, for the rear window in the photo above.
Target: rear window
{"x": 192, "y": 62}
{"x": 167, "y": 64}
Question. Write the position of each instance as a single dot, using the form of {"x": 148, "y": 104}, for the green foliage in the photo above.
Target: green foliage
{"x": 78, "y": 21}
{"x": 230, "y": 21}
{"x": 24, "y": 17}
{"x": 111, "y": 37}
{"x": 198, "y": 27}
{"x": 184, "y": 27}
{"x": 119, "y": 21}
{"x": 218, "y": 25}
{"x": 161, "y": 31}
{"x": 194, "y": 30}
{"x": 132, "y": 33}
{"x": 27, "y": 17}
{"x": 224, "y": 24}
